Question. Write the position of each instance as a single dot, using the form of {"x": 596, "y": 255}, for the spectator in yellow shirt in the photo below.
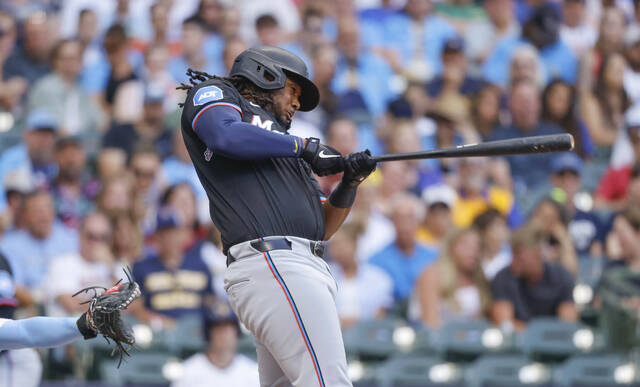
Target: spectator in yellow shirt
{"x": 476, "y": 194}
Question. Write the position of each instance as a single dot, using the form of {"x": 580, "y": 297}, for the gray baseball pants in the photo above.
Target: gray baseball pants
{"x": 286, "y": 298}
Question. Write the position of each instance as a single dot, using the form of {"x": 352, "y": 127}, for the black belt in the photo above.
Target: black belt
{"x": 316, "y": 247}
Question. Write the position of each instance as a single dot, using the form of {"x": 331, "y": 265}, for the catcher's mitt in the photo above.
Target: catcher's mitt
{"x": 103, "y": 315}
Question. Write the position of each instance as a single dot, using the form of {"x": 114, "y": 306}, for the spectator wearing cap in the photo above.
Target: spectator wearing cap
{"x": 149, "y": 130}
{"x": 481, "y": 36}
{"x": 524, "y": 105}
{"x": 585, "y": 228}
{"x": 91, "y": 265}
{"x": 530, "y": 287}
{"x": 631, "y": 78}
{"x": 575, "y": 32}
{"x": 73, "y": 191}
{"x": 454, "y": 85}
{"x": 366, "y": 291}
{"x": 405, "y": 259}
{"x": 542, "y": 31}
{"x": 30, "y": 250}
{"x": 35, "y": 155}
{"x": 476, "y": 194}
{"x": 60, "y": 91}
{"x": 220, "y": 364}
{"x": 193, "y": 52}
{"x": 358, "y": 69}
{"x": 613, "y": 185}
{"x": 418, "y": 36}
{"x": 173, "y": 284}
{"x": 439, "y": 199}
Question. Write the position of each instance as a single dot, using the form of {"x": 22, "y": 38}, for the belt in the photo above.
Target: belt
{"x": 316, "y": 247}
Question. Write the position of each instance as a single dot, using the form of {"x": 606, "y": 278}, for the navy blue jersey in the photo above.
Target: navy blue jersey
{"x": 174, "y": 293}
{"x": 249, "y": 199}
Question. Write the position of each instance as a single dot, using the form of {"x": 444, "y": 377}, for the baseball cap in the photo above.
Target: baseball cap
{"x": 566, "y": 161}
{"x": 41, "y": 119}
{"x": 439, "y": 193}
{"x": 455, "y": 44}
{"x": 167, "y": 218}
{"x": 632, "y": 36}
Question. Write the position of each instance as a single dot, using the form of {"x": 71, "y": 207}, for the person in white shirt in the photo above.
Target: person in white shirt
{"x": 575, "y": 32}
{"x": 91, "y": 265}
{"x": 366, "y": 291}
{"x": 219, "y": 365}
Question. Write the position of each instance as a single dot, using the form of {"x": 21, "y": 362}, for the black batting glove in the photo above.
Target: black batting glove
{"x": 323, "y": 159}
{"x": 357, "y": 166}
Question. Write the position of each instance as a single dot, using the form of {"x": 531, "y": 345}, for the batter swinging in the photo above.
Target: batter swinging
{"x": 271, "y": 211}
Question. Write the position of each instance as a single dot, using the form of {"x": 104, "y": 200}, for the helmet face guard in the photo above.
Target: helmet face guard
{"x": 268, "y": 68}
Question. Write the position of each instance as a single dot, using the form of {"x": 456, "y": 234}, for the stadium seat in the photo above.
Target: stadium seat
{"x": 601, "y": 371}
{"x": 551, "y": 339}
{"x": 467, "y": 339}
{"x": 417, "y": 371}
{"x": 506, "y": 371}
{"x": 371, "y": 340}
{"x": 186, "y": 337}
{"x": 142, "y": 369}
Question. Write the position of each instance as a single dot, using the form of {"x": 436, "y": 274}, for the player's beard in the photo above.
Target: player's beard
{"x": 283, "y": 122}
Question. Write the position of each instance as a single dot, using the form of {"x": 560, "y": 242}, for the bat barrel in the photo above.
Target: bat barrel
{"x": 524, "y": 145}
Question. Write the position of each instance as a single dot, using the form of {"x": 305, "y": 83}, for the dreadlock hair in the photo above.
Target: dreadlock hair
{"x": 245, "y": 87}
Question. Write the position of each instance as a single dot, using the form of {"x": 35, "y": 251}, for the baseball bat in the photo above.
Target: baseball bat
{"x": 516, "y": 146}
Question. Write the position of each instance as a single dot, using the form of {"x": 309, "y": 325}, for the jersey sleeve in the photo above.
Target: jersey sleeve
{"x": 207, "y": 95}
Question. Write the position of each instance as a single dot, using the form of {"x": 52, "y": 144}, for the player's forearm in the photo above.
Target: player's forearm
{"x": 223, "y": 131}
{"x": 333, "y": 218}
{"x": 38, "y": 332}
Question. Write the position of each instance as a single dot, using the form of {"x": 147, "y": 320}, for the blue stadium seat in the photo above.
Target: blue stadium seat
{"x": 507, "y": 371}
{"x": 551, "y": 339}
{"x": 601, "y": 371}
{"x": 418, "y": 371}
{"x": 468, "y": 339}
{"x": 371, "y": 339}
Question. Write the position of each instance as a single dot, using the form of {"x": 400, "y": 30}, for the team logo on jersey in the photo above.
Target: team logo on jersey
{"x": 257, "y": 121}
{"x": 208, "y": 154}
{"x": 207, "y": 94}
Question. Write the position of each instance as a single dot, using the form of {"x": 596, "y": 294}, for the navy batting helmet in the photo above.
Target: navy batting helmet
{"x": 268, "y": 68}
{"x": 218, "y": 313}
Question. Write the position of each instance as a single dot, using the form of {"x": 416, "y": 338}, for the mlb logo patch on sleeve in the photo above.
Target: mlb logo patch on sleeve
{"x": 207, "y": 94}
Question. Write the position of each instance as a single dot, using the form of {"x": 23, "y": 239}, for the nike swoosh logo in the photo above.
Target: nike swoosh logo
{"x": 296, "y": 148}
{"x": 326, "y": 156}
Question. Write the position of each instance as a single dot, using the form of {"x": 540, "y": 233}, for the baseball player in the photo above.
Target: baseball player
{"x": 271, "y": 211}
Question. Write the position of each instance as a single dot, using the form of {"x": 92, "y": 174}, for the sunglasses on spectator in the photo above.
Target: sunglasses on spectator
{"x": 97, "y": 237}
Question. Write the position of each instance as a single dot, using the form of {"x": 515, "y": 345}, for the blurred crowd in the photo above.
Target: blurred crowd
{"x": 95, "y": 175}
